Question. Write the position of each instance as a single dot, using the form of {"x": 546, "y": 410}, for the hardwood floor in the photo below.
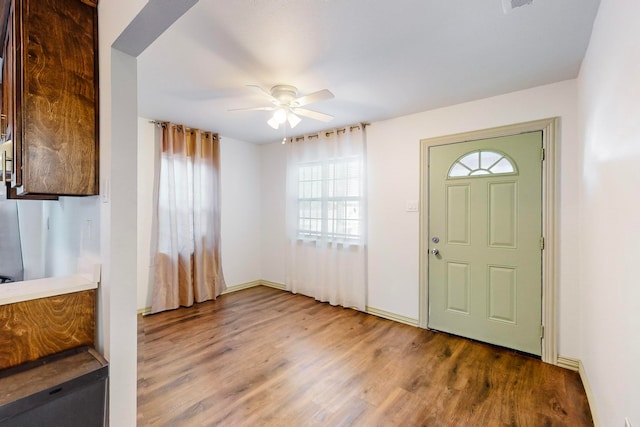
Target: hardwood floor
{"x": 264, "y": 357}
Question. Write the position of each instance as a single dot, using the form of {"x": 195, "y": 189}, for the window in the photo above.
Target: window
{"x": 482, "y": 162}
{"x": 330, "y": 199}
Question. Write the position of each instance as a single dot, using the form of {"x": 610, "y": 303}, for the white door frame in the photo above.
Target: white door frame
{"x": 549, "y": 128}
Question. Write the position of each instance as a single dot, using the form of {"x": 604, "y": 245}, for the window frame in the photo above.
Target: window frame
{"x": 323, "y": 186}
{"x": 472, "y": 172}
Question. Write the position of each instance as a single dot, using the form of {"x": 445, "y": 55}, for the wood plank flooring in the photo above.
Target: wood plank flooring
{"x": 264, "y": 357}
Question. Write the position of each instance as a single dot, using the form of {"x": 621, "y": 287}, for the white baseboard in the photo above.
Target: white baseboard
{"x": 568, "y": 363}
{"x": 577, "y": 366}
{"x": 274, "y": 285}
{"x": 248, "y": 285}
{"x": 589, "y": 391}
{"x": 242, "y": 286}
{"x": 391, "y": 316}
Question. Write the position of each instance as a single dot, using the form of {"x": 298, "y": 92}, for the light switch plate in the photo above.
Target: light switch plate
{"x": 412, "y": 206}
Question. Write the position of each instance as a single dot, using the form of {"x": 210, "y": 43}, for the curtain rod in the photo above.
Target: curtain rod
{"x": 291, "y": 139}
{"x": 163, "y": 123}
{"x": 328, "y": 132}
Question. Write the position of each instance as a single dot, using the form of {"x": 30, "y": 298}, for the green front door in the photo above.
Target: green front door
{"x": 485, "y": 236}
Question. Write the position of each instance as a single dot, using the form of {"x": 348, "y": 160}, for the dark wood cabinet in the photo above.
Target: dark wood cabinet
{"x": 50, "y": 95}
{"x": 32, "y": 329}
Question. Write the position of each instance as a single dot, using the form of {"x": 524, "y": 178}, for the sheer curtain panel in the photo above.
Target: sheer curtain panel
{"x": 187, "y": 263}
{"x": 327, "y": 218}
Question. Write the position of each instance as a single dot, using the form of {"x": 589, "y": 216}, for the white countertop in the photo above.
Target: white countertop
{"x": 41, "y": 288}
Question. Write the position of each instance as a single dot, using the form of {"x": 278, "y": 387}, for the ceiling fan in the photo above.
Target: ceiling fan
{"x": 287, "y": 106}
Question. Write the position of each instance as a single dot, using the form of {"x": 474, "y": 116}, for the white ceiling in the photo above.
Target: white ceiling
{"x": 380, "y": 58}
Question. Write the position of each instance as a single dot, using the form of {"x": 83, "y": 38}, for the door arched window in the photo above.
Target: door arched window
{"x": 482, "y": 162}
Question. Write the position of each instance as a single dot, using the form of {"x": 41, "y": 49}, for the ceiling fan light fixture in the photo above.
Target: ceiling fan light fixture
{"x": 293, "y": 120}
{"x": 280, "y": 115}
{"x": 273, "y": 123}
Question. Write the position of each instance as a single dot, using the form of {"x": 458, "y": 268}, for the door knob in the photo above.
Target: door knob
{"x": 435, "y": 251}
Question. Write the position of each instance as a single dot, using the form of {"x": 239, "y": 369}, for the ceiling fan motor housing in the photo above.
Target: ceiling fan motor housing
{"x": 285, "y": 94}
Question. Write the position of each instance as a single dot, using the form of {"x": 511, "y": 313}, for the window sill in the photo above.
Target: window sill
{"x": 337, "y": 242}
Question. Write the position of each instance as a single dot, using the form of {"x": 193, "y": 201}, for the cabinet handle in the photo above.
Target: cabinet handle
{"x": 3, "y": 126}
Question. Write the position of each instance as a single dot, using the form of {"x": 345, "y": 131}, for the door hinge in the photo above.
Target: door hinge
{"x": 541, "y": 331}
{"x": 541, "y": 243}
{"x": 542, "y": 154}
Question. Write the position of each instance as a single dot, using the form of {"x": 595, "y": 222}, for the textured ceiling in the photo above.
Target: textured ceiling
{"x": 381, "y": 59}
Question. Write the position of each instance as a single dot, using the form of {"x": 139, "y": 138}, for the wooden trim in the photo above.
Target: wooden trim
{"x": 241, "y": 286}
{"x": 254, "y": 283}
{"x": 423, "y": 249}
{"x": 550, "y": 173}
{"x": 391, "y": 316}
{"x": 550, "y": 206}
{"x": 274, "y": 285}
{"x": 568, "y": 363}
{"x": 590, "y": 397}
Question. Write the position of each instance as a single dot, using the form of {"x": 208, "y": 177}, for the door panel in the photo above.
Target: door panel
{"x": 503, "y": 214}
{"x": 458, "y": 215}
{"x": 458, "y": 287}
{"x": 485, "y": 204}
{"x": 502, "y": 294}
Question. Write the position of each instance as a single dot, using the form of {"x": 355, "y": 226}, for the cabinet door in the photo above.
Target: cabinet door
{"x": 57, "y": 102}
{"x": 3, "y": 116}
{"x": 6, "y": 82}
{"x": 9, "y": 94}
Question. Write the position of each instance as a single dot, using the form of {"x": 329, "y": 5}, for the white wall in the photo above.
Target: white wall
{"x": 272, "y": 186}
{"x": 56, "y": 234}
{"x": 393, "y": 150}
{"x": 609, "y": 330}
{"x": 11, "y": 241}
{"x": 241, "y": 210}
{"x": 72, "y": 233}
{"x": 32, "y": 237}
{"x": 147, "y": 148}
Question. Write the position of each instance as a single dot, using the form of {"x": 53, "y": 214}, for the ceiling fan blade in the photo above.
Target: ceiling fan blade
{"x": 253, "y": 109}
{"x": 320, "y": 95}
{"x": 312, "y": 114}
